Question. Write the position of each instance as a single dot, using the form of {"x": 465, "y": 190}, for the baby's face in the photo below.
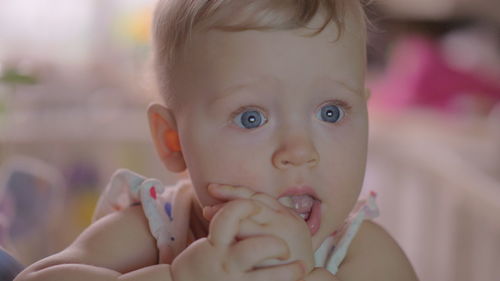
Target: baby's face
{"x": 276, "y": 111}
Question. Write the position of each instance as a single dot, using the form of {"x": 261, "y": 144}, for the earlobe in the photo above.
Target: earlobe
{"x": 165, "y": 137}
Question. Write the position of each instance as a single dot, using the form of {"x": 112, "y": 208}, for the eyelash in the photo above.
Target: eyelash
{"x": 343, "y": 105}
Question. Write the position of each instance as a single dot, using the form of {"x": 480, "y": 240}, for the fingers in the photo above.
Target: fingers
{"x": 270, "y": 206}
{"x": 247, "y": 253}
{"x": 267, "y": 200}
{"x": 210, "y": 211}
{"x": 226, "y": 223}
{"x": 227, "y": 192}
{"x": 262, "y": 217}
{"x": 286, "y": 272}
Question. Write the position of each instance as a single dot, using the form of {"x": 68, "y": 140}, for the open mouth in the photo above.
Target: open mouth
{"x": 307, "y": 207}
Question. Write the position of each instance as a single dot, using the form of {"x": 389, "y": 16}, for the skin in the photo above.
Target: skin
{"x": 289, "y": 78}
{"x": 289, "y": 85}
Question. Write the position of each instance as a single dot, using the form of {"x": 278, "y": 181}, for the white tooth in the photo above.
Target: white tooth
{"x": 286, "y": 201}
{"x": 303, "y": 215}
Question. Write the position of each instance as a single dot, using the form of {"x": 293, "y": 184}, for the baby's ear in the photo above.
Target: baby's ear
{"x": 368, "y": 93}
{"x": 165, "y": 137}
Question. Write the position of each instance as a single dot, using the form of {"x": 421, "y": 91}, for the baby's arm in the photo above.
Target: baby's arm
{"x": 374, "y": 255}
{"x": 119, "y": 247}
{"x": 116, "y": 247}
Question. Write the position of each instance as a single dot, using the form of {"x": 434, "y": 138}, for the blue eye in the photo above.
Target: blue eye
{"x": 331, "y": 113}
{"x": 250, "y": 119}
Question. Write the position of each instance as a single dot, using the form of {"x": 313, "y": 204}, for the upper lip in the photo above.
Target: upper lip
{"x": 299, "y": 190}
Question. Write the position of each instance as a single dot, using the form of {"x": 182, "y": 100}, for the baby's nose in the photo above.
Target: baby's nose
{"x": 297, "y": 152}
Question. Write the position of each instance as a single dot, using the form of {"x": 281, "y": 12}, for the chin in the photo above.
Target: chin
{"x": 319, "y": 237}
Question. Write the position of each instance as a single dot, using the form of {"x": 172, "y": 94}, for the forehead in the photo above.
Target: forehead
{"x": 215, "y": 60}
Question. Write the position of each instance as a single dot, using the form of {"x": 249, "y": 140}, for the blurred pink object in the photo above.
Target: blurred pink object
{"x": 418, "y": 75}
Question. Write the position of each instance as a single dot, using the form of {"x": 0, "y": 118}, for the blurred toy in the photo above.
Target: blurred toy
{"x": 82, "y": 175}
{"x": 31, "y": 198}
{"x": 9, "y": 266}
{"x": 418, "y": 75}
{"x": 83, "y": 178}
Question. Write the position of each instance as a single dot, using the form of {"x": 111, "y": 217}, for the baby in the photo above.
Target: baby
{"x": 266, "y": 108}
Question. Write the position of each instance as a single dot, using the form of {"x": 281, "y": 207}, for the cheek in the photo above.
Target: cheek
{"x": 220, "y": 159}
{"x": 344, "y": 156}
{"x": 216, "y": 161}
{"x": 234, "y": 166}
{"x": 344, "y": 177}
{"x": 344, "y": 167}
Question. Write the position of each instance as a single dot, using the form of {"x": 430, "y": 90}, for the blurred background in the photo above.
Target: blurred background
{"x": 75, "y": 83}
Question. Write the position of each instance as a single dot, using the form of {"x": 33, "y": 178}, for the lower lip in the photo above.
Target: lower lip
{"x": 314, "y": 220}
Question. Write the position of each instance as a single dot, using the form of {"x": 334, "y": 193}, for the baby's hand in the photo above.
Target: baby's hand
{"x": 222, "y": 256}
{"x": 272, "y": 219}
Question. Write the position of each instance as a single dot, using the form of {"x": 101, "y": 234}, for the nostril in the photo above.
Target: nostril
{"x": 287, "y": 159}
{"x": 286, "y": 163}
{"x": 312, "y": 161}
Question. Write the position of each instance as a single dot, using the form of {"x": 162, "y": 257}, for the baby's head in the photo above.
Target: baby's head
{"x": 266, "y": 94}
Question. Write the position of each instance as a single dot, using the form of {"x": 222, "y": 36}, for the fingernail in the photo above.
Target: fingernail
{"x": 208, "y": 211}
{"x": 223, "y": 187}
{"x": 286, "y": 201}
{"x": 213, "y": 186}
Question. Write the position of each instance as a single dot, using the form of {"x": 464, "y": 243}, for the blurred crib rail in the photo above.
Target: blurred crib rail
{"x": 439, "y": 186}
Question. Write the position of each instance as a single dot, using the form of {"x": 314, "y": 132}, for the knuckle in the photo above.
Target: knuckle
{"x": 237, "y": 204}
{"x": 242, "y": 206}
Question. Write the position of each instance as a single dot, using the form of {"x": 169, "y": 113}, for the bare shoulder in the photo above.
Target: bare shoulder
{"x": 120, "y": 241}
{"x": 375, "y": 255}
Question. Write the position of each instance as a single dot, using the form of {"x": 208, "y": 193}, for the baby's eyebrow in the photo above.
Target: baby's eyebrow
{"x": 256, "y": 83}
{"x": 334, "y": 83}
{"x": 237, "y": 87}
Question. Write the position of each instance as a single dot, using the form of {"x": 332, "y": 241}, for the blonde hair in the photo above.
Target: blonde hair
{"x": 174, "y": 21}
